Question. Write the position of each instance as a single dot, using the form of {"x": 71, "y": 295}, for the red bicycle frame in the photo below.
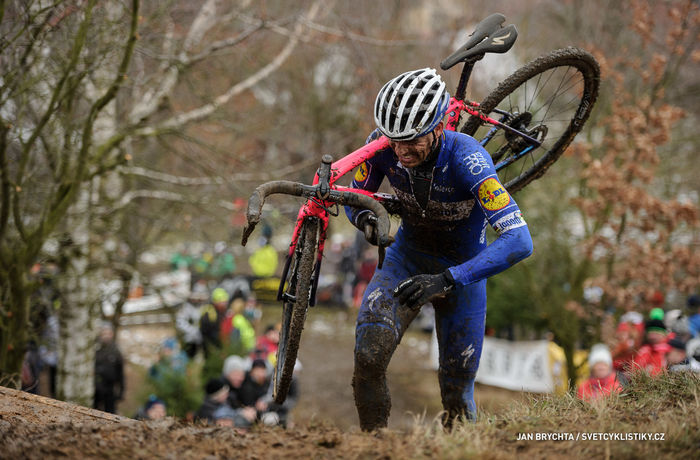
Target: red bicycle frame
{"x": 320, "y": 209}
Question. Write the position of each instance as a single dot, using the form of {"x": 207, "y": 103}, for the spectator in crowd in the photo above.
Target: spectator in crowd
{"x": 652, "y": 355}
{"x": 655, "y": 301}
{"x": 234, "y": 371}
{"x": 241, "y": 419}
{"x": 368, "y": 264}
{"x": 693, "y": 304}
{"x": 676, "y": 357}
{"x": 263, "y": 262}
{"x": 109, "y": 371}
{"x": 236, "y": 330}
{"x": 268, "y": 343}
{"x": 223, "y": 265}
{"x": 657, "y": 313}
{"x": 677, "y": 324}
{"x": 254, "y": 390}
{"x": 628, "y": 339}
{"x": 216, "y": 395}
{"x": 48, "y": 350}
{"x": 252, "y": 310}
{"x": 171, "y": 360}
{"x": 603, "y": 380}
{"x": 347, "y": 271}
{"x": 187, "y": 320}
{"x": 692, "y": 350}
{"x": 31, "y": 368}
{"x": 557, "y": 364}
{"x": 200, "y": 266}
{"x": 181, "y": 260}
{"x": 154, "y": 409}
{"x": 280, "y": 414}
{"x": 211, "y": 320}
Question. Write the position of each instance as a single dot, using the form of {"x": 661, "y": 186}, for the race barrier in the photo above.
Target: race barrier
{"x": 520, "y": 366}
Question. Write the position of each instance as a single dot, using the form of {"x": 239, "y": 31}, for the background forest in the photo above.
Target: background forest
{"x": 129, "y": 127}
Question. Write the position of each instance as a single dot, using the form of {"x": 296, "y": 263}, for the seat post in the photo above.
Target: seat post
{"x": 460, "y": 93}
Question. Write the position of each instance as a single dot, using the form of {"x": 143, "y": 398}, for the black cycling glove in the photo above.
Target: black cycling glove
{"x": 367, "y": 223}
{"x": 418, "y": 290}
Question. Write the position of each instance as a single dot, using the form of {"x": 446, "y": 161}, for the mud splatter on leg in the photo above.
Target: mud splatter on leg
{"x": 457, "y": 391}
{"x": 374, "y": 346}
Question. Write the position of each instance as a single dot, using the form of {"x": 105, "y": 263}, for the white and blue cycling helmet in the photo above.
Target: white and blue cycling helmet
{"x": 411, "y": 105}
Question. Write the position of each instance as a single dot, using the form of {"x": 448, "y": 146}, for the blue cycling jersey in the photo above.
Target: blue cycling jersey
{"x": 465, "y": 195}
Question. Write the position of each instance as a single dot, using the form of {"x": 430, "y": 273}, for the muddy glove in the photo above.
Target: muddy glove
{"x": 367, "y": 223}
{"x": 418, "y": 290}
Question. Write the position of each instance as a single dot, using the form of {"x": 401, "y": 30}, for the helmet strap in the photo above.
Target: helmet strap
{"x": 434, "y": 147}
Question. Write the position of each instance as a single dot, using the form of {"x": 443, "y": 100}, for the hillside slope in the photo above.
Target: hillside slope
{"x": 667, "y": 410}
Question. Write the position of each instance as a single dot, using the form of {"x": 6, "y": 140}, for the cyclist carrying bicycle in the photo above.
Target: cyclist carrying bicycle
{"x": 449, "y": 192}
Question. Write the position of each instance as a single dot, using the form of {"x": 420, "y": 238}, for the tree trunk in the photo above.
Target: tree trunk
{"x": 78, "y": 312}
{"x": 13, "y": 324}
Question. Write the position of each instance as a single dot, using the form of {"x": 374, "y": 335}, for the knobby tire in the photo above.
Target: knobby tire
{"x": 533, "y": 73}
{"x": 294, "y": 313}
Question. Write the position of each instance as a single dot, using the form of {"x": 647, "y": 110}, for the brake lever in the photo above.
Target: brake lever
{"x": 324, "y": 175}
{"x": 382, "y": 243}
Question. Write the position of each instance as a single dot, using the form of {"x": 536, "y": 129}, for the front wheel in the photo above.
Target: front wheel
{"x": 295, "y": 305}
{"x": 548, "y": 99}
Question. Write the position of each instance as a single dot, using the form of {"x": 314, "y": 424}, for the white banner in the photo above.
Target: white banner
{"x": 522, "y": 366}
{"x": 519, "y": 366}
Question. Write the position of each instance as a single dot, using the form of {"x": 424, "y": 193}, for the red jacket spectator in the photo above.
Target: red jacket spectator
{"x": 593, "y": 388}
{"x": 628, "y": 340}
{"x": 603, "y": 380}
{"x": 652, "y": 356}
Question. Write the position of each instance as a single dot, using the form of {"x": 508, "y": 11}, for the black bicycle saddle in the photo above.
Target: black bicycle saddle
{"x": 489, "y": 37}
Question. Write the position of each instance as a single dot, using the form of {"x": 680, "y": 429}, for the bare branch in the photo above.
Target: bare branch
{"x": 274, "y": 26}
{"x": 133, "y": 195}
{"x": 78, "y": 44}
{"x": 205, "y": 20}
{"x": 363, "y": 38}
{"x": 195, "y": 181}
{"x": 183, "y": 119}
{"x": 150, "y": 101}
{"x": 227, "y": 43}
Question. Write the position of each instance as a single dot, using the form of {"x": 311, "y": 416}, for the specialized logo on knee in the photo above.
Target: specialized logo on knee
{"x": 374, "y": 295}
{"x": 466, "y": 354}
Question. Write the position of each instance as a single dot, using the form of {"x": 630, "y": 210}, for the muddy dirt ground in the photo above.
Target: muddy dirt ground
{"x": 326, "y": 354}
{"x": 325, "y": 423}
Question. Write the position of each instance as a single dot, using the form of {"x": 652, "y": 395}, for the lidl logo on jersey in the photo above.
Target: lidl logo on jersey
{"x": 362, "y": 172}
{"x": 492, "y": 195}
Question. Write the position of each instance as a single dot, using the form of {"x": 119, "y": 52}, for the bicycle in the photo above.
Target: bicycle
{"x": 526, "y": 123}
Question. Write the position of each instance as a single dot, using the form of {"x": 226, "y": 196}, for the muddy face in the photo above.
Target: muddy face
{"x": 414, "y": 152}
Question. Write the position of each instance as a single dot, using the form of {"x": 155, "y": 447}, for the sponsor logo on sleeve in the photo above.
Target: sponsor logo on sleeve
{"x": 492, "y": 195}
{"x": 476, "y": 163}
{"x": 362, "y": 172}
{"x": 509, "y": 221}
